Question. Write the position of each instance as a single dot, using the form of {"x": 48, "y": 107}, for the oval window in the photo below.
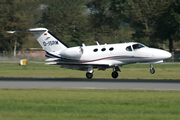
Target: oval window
{"x": 111, "y": 49}
{"x": 95, "y": 50}
{"x": 103, "y": 49}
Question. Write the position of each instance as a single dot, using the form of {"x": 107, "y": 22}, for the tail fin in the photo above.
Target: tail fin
{"x": 46, "y": 39}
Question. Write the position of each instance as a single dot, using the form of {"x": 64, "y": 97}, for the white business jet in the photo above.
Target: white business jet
{"x": 86, "y": 58}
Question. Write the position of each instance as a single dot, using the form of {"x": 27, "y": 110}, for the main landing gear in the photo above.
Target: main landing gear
{"x": 89, "y": 73}
{"x": 152, "y": 70}
{"x": 114, "y": 74}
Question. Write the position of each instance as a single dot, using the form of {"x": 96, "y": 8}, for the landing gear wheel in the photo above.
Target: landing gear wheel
{"x": 114, "y": 74}
{"x": 152, "y": 70}
{"x": 89, "y": 75}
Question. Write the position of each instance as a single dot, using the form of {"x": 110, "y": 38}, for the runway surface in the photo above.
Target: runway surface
{"x": 74, "y": 83}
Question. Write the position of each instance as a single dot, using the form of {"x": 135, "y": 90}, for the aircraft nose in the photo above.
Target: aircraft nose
{"x": 166, "y": 54}
{"x": 161, "y": 54}
{"x": 169, "y": 55}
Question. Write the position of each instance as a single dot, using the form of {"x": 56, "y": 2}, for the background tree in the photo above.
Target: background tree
{"x": 19, "y": 15}
{"x": 108, "y": 21}
{"x": 102, "y": 20}
{"x": 32, "y": 10}
{"x": 11, "y": 20}
{"x": 142, "y": 16}
{"x": 4, "y": 11}
{"x": 168, "y": 24}
{"x": 66, "y": 19}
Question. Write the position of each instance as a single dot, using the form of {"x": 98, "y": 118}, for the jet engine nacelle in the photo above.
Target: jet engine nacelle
{"x": 72, "y": 53}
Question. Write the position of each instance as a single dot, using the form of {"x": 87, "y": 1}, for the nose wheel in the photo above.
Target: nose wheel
{"x": 152, "y": 70}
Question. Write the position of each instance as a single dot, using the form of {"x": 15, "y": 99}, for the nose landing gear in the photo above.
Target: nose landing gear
{"x": 152, "y": 70}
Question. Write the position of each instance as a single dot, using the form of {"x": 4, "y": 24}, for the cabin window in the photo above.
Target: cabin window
{"x": 137, "y": 46}
{"x": 128, "y": 48}
{"x": 103, "y": 49}
{"x": 111, "y": 49}
{"x": 95, "y": 50}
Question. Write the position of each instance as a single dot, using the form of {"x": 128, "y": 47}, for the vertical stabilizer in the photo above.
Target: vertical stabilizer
{"x": 47, "y": 40}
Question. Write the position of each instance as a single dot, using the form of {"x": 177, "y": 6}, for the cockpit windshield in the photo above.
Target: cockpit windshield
{"x": 137, "y": 46}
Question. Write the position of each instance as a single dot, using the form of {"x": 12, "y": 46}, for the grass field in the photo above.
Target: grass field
{"x": 63, "y": 104}
{"x": 134, "y": 71}
{"x": 73, "y": 104}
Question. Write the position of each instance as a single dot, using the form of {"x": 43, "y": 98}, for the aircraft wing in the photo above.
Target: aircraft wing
{"x": 79, "y": 66}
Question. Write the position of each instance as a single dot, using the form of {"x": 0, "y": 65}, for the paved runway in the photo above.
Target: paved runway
{"x": 62, "y": 83}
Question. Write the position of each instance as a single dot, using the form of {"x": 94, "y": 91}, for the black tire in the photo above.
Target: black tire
{"x": 152, "y": 70}
{"x": 89, "y": 75}
{"x": 114, "y": 74}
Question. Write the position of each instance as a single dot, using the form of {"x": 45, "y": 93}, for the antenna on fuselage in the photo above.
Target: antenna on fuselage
{"x": 83, "y": 45}
{"x": 97, "y": 42}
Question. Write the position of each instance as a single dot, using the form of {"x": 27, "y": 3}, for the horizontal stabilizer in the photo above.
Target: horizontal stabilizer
{"x": 31, "y": 30}
{"x": 46, "y": 39}
{"x": 11, "y": 32}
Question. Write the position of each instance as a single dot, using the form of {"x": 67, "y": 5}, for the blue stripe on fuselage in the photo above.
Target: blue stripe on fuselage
{"x": 51, "y": 55}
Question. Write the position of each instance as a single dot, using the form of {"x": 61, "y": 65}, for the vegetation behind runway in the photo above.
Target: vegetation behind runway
{"x": 134, "y": 71}
{"x": 72, "y": 104}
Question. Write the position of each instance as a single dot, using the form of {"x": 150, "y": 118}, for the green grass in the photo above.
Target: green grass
{"x": 134, "y": 71}
{"x": 63, "y": 104}
{"x": 72, "y": 104}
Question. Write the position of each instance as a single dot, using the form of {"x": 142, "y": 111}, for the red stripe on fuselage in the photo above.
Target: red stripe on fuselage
{"x": 106, "y": 58}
